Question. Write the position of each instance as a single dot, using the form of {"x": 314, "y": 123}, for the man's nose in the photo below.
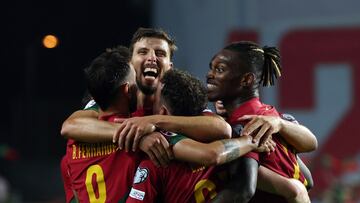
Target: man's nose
{"x": 151, "y": 57}
{"x": 210, "y": 74}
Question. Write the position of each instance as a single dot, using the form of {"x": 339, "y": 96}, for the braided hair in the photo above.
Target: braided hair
{"x": 264, "y": 62}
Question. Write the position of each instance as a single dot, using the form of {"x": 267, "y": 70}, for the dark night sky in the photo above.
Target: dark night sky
{"x": 40, "y": 87}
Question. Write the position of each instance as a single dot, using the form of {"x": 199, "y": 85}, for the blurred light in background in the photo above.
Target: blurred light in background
{"x": 50, "y": 41}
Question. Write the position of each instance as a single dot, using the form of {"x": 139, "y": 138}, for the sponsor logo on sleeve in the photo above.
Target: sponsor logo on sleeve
{"x": 137, "y": 194}
{"x": 141, "y": 175}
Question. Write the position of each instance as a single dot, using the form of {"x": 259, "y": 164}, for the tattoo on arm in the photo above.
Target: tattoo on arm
{"x": 231, "y": 151}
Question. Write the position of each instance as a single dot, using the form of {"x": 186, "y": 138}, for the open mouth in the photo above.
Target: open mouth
{"x": 150, "y": 73}
{"x": 210, "y": 86}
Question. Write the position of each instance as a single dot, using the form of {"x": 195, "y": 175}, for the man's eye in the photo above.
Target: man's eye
{"x": 219, "y": 69}
{"x": 142, "y": 52}
{"x": 160, "y": 54}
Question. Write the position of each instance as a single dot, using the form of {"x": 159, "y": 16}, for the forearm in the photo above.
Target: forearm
{"x": 87, "y": 128}
{"x": 300, "y": 137}
{"x": 214, "y": 153}
{"x": 200, "y": 128}
{"x": 274, "y": 183}
{"x": 231, "y": 149}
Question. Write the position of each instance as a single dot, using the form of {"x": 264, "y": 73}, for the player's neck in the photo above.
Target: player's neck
{"x": 231, "y": 105}
{"x": 145, "y": 101}
{"x": 121, "y": 107}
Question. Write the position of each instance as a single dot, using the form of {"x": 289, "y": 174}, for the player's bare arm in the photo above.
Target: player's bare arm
{"x": 83, "y": 125}
{"x": 300, "y": 137}
{"x": 201, "y": 128}
{"x": 214, "y": 153}
{"x": 291, "y": 189}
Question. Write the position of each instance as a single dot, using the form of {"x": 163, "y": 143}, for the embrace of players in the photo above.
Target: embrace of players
{"x": 147, "y": 135}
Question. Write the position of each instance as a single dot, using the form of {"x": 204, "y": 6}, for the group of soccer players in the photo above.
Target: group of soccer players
{"x": 117, "y": 151}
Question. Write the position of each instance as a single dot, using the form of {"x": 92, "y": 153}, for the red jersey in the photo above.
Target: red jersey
{"x": 178, "y": 182}
{"x": 100, "y": 172}
{"x": 283, "y": 160}
{"x": 65, "y": 175}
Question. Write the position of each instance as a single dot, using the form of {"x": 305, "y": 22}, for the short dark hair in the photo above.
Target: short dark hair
{"x": 154, "y": 33}
{"x": 183, "y": 94}
{"x": 106, "y": 74}
{"x": 264, "y": 62}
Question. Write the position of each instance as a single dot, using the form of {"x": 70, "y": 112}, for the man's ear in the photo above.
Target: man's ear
{"x": 248, "y": 79}
{"x": 125, "y": 88}
{"x": 163, "y": 110}
{"x": 171, "y": 65}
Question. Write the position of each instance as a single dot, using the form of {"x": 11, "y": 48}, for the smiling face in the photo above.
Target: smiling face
{"x": 150, "y": 59}
{"x": 224, "y": 77}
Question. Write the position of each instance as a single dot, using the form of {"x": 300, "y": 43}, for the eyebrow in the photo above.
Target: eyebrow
{"x": 143, "y": 48}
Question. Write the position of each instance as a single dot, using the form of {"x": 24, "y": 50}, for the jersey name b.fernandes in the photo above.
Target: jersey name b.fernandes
{"x": 100, "y": 172}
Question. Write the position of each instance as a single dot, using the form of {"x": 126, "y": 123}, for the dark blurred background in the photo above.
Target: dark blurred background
{"x": 319, "y": 42}
{"x": 41, "y": 87}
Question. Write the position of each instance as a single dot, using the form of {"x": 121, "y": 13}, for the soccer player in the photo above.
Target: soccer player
{"x": 100, "y": 171}
{"x": 152, "y": 51}
{"x": 194, "y": 178}
{"x": 242, "y": 67}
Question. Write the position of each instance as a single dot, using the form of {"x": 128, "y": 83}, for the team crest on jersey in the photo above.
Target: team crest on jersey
{"x": 141, "y": 175}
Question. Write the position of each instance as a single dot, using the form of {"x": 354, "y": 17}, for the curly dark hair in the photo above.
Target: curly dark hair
{"x": 183, "y": 94}
{"x": 106, "y": 74}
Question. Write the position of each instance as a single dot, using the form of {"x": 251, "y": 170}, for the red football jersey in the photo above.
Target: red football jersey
{"x": 100, "y": 172}
{"x": 64, "y": 168}
{"x": 178, "y": 182}
{"x": 283, "y": 160}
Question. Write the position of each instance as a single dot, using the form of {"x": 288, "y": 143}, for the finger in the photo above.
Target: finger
{"x": 122, "y": 136}
{"x": 157, "y": 154}
{"x": 266, "y": 148}
{"x": 263, "y": 131}
{"x": 273, "y": 145}
{"x": 153, "y": 158}
{"x": 138, "y": 136}
{"x": 117, "y": 133}
{"x": 129, "y": 139}
{"x": 267, "y": 135}
{"x": 163, "y": 157}
{"x": 250, "y": 127}
{"x": 119, "y": 120}
{"x": 167, "y": 148}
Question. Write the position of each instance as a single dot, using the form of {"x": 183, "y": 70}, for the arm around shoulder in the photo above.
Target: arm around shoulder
{"x": 214, "y": 153}
{"x": 83, "y": 125}
{"x": 299, "y": 136}
{"x": 201, "y": 128}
